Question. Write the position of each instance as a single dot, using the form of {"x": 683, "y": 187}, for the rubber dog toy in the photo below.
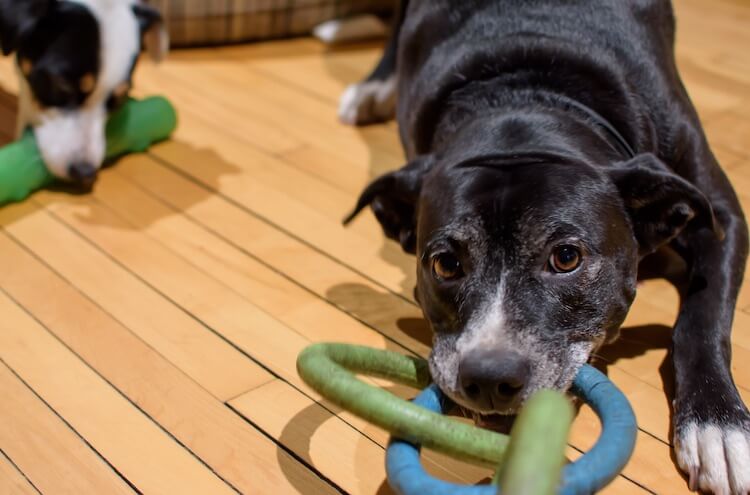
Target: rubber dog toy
{"x": 529, "y": 463}
{"x": 133, "y": 128}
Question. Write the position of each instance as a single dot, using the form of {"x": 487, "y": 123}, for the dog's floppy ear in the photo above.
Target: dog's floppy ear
{"x": 393, "y": 198}
{"x": 660, "y": 203}
{"x": 153, "y": 31}
{"x": 17, "y": 17}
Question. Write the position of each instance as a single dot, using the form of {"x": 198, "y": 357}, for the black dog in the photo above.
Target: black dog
{"x": 552, "y": 147}
{"x": 75, "y": 60}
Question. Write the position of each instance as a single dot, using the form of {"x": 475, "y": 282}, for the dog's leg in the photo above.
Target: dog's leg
{"x": 712, "y": 425}
{"x": 374, "y": 99}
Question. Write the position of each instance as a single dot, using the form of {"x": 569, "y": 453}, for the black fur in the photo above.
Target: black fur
{"x": 63, "y": 47}
{"x": 17, "y": 18}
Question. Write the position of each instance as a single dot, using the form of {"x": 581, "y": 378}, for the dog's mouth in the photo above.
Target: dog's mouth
{"x": 496, "y": 422}
{"x": 500, "y": 423}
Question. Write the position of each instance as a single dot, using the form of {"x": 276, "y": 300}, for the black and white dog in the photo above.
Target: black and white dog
{"x": 75, "y": 60}
{"x": 551, "y": 147}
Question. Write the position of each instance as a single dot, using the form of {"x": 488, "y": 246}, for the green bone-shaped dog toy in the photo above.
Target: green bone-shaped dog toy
{"x": 133, "y": 128}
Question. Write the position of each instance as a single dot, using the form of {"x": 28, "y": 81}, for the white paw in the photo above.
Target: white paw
{"x": 355, "y": 28}
{"x": 716, "y": 458}
{"x": 368, "y": 102}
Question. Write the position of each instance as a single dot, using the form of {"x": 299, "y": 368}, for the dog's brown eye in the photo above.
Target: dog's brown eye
{"x": 565, "y": 259}
{"x": 446, "y": 266}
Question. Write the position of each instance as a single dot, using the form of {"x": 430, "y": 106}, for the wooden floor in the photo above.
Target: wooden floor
{"x": 149, "y": 330}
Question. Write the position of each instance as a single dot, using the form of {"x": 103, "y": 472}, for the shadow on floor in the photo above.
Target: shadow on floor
{"x": 157, "y": 182}
{"x": 379, "y": 161}
{"x": 382, "y": 310}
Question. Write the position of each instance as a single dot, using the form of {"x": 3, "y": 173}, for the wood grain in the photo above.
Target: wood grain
{"x": 155, "y": 323}
{"x": 49, "y": 453}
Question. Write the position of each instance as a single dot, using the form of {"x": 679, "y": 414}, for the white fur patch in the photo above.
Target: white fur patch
{"x": 717, "y": 459}
{"x": 368, "y": 102}
{"x": 486, "y": 327}
{"x": 360, "y": 27}
{"x": 65, "y": 138}
{"x": 483, "y": 330}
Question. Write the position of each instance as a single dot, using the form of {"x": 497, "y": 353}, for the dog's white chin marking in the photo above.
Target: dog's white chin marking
{"x": 717, "y": 459}
{"x": 65, "y": 138}
{"x": 368, "y": 102}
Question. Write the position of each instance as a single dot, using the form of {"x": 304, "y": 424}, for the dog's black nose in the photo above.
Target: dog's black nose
{"x": 493, "y": 379}
{"x": 82, "y": 174}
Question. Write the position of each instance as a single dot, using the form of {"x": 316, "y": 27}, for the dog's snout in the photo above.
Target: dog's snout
{"x": 82, "y": 174}
{"x": 493, "y": 379}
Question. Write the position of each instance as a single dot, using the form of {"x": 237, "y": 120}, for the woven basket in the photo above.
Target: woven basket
{"x": 212, "y": 22}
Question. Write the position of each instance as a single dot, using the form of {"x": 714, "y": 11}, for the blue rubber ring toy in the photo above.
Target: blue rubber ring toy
{"x": 590, "y": 473}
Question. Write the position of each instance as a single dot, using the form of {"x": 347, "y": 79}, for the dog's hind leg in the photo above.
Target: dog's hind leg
{"x": 374, "y": 99}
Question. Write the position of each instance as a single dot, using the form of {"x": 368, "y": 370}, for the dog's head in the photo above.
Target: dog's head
{"x": 527, "y": 263}
{"x": 75, "y": 59}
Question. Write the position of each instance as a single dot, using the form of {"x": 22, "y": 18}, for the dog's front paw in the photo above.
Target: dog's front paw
{"x": 715, "y": 455}
{"x": 368, "y": 102}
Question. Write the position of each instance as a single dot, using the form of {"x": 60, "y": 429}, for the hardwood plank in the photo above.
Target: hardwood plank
{"x": 309, "y": 315}
{"x": 307, "y": 267}
{"x": 326, "y": 74}
{"x": 232, "y": 449}
{"x": 651, "y": 464}
{"x": 377, "y": 260}
{"x": 221, "y": 309}
{"x": 49, "y": 453}
{"x": 336, "y": 449}
{"x": 12, "y": 481}
{"x": 646, "y": 352}
{"x": 730, "y": 130}
{"x": 176, "y": 335}
{"x": 314, "y": 121}
{"x": 147, "y": 456}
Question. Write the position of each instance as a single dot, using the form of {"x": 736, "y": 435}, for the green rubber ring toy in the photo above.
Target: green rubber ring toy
{"x": 529, "y": 463}
{"x": 133, "y": 128}
{"x": 324, "y": 367}
{"x": 534, "y": 459}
